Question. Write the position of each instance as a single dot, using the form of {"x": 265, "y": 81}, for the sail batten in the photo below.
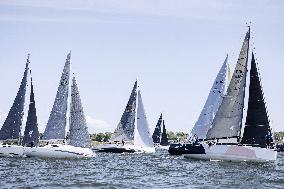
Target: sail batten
{"x": 213, "y": 102}
{"x": 31, "y": 133}
{"x": 257, "y": 126}
{"x": 56, "y": 126}
{"x": 228, "y": 119}
{"x": 79, "y": 135}
{"x": 12, "y": 126}
{"x": 126, "y": 125}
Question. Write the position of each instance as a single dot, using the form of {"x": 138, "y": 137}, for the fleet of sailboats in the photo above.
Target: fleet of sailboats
{"x": 218, "y": 133}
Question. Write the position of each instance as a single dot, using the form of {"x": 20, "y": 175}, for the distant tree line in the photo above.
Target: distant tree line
{"x": 278, "y": 137}
{"x": 104, "y": 137}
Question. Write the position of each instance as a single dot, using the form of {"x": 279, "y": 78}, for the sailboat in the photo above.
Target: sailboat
{"x": 223, "y": 139}
{"x": 54, "y": 135}
{"x": 208, "y": 112}
{"x": 160, "y": 137}
{"x": 132, "y": 133}
{"x": 10, "y": 133}
{"x": 11, "y": 130}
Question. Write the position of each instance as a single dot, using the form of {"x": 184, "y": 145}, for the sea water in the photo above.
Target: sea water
{"x": 159, "y": 170}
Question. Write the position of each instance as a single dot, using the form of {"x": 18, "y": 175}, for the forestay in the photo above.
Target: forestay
{"x": 213, "y": 102}
{"x": 79, "y": 135}
{"x": 142, "y": 136}
{"x": 228, "y": 119}
{"x": 56, "y": 125}
{"x": 12, "y": 126}
{"x": 125, "y": 128}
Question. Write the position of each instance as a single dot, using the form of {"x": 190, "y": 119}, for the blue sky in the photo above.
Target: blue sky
{"x": 175, "y": 47}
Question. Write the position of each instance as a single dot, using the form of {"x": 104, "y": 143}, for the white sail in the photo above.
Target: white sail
{"x": 213, "y": 102}
{"x": 142, "y": 136}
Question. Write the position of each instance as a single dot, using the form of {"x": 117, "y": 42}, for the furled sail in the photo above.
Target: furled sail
{"x": 157, "y": 132}
{"x": 125, "y": 128}
{"x": 79, "y": 135}
{"x": 31, "y": 134}
{"x": 142, "y": 136}
{"x": 12, "y": 126}
{"x": 257, "y": 127}
{"x": 228, "y": 119}
{"x": 56, "y": 124}
{"x": 164, "y": 138}
{"x": 213, "y": 102}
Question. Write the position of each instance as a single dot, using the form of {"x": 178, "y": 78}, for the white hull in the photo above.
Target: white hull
{"x": 159, "y": 147}
{"x": 59, "y": 151}
{"x": 119, "y": 148}
{"x": 235, "y": 153}
{"x": 11, "y": 151}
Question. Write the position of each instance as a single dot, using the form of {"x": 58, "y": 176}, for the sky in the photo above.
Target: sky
{"x": 174, "y": 47}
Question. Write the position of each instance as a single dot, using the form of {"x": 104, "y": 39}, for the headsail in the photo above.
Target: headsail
{"x": 79, "y": 135}
{"x": 56, "y": 125}
{"x": 142, "y": 136}
{"x": 164, "y": 139}
{"x": 12, "y": 126}
{"x": 257, "y": 123}
{"x": 31, "y": 134}
{"x": 125, "y": 128}
{"x": 228, "y": 119}
{"x": 157, "y": 132}
{"x": 213, "y": 102}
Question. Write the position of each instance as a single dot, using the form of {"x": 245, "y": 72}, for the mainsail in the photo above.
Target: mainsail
{"x": 12, "y": 126}
{"x": 125, "y": 128}
{"x": 257, "y": 123}
{"x": 79, "y": 135}
{"x": 56, "y": 125}
{"x": 164, "y": 138}
{"x": 142, "y": 136}
{"x": 157, "y": 132}
{"x": 31, "y": 134}
{"x": 213, "y": 102}
{"x": 228, "y": 119}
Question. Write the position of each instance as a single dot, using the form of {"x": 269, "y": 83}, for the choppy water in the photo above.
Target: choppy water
{"x": 158, "y": 170}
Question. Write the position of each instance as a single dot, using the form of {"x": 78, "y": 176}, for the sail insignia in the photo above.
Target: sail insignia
{"x": 257, "y": 128}
{"x": 126, "y": 125}
{"x": 55, "y": 129}
{"x": 227, "y": 122}
{"x": 79, "y": 135}
{"x": 31, "y": 133}
{"x": 12, "y": 126}
{"x": 213, "y": 102}
{"x": 157, "y": 132}
{"x": 142, "y": 136}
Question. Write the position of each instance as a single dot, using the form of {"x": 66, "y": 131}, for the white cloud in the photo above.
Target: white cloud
{"x": 95, "y": 125}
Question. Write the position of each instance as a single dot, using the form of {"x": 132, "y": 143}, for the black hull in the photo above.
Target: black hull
{"x": 179, "y": 149}
{"x": 116, "y": 150}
